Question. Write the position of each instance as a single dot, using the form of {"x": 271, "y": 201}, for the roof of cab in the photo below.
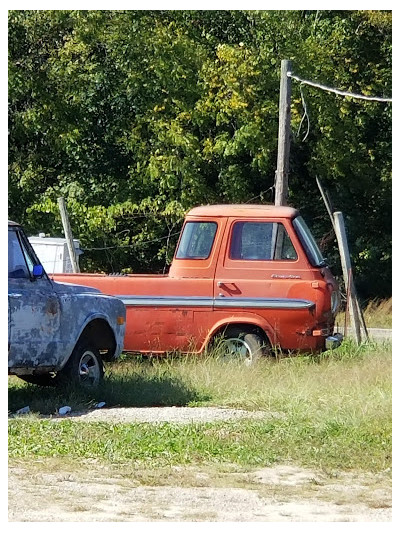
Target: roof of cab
{"x": 245, "y": 210}
{"x": 11, "y": 223}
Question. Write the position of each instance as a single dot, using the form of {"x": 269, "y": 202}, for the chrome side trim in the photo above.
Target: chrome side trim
{"x": 166, "y": 301}
{"x": 218, "y": 303}
{"x": 264, "y": 303}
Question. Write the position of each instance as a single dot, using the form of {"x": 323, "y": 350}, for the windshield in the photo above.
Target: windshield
{"x": 307, "y": 240}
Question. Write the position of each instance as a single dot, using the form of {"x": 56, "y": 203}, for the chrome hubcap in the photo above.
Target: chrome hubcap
{"x": 237, "y": 349}
{"x": 89, "y": 369}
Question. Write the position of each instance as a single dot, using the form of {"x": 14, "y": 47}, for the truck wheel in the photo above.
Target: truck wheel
{"x": 43, "y": 380}
{"x": 84, "y": 367}
{"x": 241, "y": 344}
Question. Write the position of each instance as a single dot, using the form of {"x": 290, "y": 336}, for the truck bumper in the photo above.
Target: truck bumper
{"x": 333, "y": 341}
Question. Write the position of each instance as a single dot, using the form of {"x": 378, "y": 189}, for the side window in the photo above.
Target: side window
{"x": 197, "y": 240}
{"x": 17, "y": 265}
{"x": 261, "y": 241}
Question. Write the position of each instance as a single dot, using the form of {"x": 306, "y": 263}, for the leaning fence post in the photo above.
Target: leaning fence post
{"x": 68, "y": 235}
{"x": 328, "y": 206}
{"x": 347, "y": 272}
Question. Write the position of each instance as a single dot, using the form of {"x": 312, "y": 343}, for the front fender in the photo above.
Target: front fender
{"x": 80, "y": 309}
{"x": 118, "y": 336}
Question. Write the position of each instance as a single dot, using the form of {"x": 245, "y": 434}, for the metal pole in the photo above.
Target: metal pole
{"x": 282, "y": 167}
{"x": 68, "y": 235}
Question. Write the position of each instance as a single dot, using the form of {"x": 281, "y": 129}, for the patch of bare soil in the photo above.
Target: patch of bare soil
{"x": 95, "y": 493}
{"x": 53, "y": 491}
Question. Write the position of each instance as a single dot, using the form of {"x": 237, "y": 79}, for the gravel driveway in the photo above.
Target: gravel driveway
{"x": 177, "y": 415}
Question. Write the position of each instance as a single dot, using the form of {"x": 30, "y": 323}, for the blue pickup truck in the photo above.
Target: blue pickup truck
{"x": 57, "y": 332}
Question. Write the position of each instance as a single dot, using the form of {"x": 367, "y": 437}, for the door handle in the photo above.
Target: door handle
{"x": 14, "y": 295}
{"x": 229, "y": 286}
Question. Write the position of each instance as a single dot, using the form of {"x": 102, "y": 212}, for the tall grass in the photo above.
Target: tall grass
{"x": 377, "y": 314}
{"x": 333, "y": 410}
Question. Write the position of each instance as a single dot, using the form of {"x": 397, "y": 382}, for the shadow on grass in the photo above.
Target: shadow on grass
{"x": 115, "y": 391}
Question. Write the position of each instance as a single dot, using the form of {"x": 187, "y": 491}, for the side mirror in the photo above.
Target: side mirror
{"x": 38, "y": 271}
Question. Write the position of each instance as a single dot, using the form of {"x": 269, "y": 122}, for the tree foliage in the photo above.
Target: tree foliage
{"x": 136, "y": 116}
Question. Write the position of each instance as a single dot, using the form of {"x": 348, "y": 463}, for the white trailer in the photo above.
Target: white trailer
{"x": 53, "y": 253}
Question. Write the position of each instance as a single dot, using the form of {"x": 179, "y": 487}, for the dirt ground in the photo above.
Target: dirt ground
{"x": 50, "y": 491}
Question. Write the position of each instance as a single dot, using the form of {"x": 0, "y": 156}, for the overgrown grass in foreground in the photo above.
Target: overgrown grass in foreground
{"x": 333, "y": 411}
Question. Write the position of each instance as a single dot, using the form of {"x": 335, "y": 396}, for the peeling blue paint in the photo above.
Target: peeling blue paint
{"x": 45, "y": 318}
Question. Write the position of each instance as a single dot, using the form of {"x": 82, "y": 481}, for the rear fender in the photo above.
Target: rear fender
{"x": 248, "y": 320}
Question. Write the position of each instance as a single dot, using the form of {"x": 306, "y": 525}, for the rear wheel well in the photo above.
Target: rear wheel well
{"x": 246, "y": 328}
{"x": 99, "y": 333}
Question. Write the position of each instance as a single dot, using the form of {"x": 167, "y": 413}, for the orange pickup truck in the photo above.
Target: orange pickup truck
{"x": 251, "y": 276}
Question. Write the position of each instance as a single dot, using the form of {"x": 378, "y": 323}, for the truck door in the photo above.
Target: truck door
{"x": 34, "y": 308}
{"x": 257, "y": 253}
{"x": 262, "y": 271}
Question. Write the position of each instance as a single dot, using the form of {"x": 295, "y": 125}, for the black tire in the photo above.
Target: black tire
{"x": 84, "y": 368}
{"x": 43, "y": 380}
{"x": 241, "y": 344}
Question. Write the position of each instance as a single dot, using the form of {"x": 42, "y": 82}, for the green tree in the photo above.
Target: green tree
{"x": 136, "y": 116}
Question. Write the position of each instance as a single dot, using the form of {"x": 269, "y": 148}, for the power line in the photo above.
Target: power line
{"x": 260, "y": 195}
{"x": 305, "y": 115}
{"x": 338, "y": 91}
{"x": 131, "y": 245}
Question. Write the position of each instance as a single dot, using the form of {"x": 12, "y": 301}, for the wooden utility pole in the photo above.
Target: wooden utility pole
{"x": 282, "y": 167}
{"x": 68, "y": 235}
